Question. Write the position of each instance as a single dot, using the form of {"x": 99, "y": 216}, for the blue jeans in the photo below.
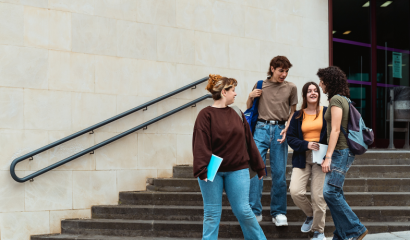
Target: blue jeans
{"x": 233, "y": 183}
{"x": 346, "y": 222}
{"x": 266, "y": 136}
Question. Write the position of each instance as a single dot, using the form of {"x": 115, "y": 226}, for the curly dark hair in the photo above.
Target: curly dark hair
{"x": 335, "y": 81}
{"x": 279, "y": 61}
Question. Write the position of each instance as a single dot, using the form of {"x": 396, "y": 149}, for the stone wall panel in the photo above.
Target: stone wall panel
{"x": 51, "y": 191}
{"x": 11, "y": 24}
{"x": 23, "y": 67}
{"x": 20, "y": 225}
{"x": 94, "y": 188}
{"x": 134, "y": 180}
{"x": 157, "y": 151}
{"x": 159, "y": 12}
{"x": 11, "y": 108}
{"x": 11, "y": 193}
{"x": 92, "y": 34}
{"x": 69, "y": 71}
{"x": 211, "y": 49}
{"x": 48, "y": 110}
{"x": 136, "y": 40}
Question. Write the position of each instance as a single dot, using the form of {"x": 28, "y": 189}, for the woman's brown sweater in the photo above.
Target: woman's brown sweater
{"x": 221, "y": 132}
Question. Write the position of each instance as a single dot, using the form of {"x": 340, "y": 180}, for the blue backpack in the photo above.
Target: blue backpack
{"x": 358, "y": 136}
{"x": 252, "y": 113}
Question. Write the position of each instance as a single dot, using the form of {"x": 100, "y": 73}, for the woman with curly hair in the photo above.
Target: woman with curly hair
{"x": 338, "y": 157}
{"x": 220, "y": 131}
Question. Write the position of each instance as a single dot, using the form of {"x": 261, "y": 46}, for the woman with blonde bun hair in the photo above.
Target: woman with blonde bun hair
{"x": 220, "y": 131}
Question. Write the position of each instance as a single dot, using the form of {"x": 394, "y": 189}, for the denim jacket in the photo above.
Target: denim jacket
{"x": 296, "y": 142}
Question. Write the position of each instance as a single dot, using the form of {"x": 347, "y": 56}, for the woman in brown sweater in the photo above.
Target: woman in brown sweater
{"x": 220, "y": 131}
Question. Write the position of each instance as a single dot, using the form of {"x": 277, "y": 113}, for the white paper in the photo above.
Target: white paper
{"x": 319, "y": 154}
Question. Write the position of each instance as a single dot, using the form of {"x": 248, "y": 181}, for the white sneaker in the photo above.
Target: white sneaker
{"x": 280, "y": 220}
{"x": 259, "y": 218}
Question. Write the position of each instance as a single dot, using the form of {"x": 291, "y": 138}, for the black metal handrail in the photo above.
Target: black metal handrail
{"x": 90, "y": 129}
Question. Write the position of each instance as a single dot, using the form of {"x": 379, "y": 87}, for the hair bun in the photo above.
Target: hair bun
{"x": 213, "y": 79}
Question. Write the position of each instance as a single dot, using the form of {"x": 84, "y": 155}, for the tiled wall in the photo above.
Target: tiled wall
{"x": 67, "y": 64}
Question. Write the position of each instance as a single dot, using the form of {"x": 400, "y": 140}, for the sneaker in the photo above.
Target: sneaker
{"x": 307, "y": 225}
{"x": 360, "y": 237}
{"x": 259, "y": 218}
{"x": 280, "y": 220}
{"x": 318, "y": 236}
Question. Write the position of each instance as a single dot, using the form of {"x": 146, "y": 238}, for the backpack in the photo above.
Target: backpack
{"x": 252, "y": 113}
{"x": 358, "y": 136}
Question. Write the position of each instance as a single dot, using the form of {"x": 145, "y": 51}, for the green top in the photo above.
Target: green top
{"x": 342, "y": 103}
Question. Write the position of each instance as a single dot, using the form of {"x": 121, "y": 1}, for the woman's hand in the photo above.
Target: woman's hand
{"x": 261, "y": 178}
{"x": 206, "y": 179}
{"x": 326, "y": 164}
{"x": 313, "y": 146}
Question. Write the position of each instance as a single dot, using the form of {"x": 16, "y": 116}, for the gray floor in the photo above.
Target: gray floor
{"x": 389, "y": 236}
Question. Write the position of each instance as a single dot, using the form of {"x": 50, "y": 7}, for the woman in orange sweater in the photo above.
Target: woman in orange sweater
{"x": 308, "y": 128}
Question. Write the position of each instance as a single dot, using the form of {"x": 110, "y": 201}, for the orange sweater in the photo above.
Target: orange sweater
{"x": 311, "y": 127}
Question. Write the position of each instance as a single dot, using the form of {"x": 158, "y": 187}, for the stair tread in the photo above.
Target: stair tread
{"x": 179, "y": 222}
{"x": 191, "y": 179}
{"x": 99, "y": 237}
{"x": 265, "y": 193}
{"x": 354, "y": 165}
{"x": 228, "y": 207}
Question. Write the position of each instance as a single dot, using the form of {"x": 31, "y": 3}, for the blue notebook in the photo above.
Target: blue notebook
{"x": 213, "y": 167}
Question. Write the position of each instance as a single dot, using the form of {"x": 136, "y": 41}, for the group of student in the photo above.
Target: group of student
{"x": 220, "y": 131}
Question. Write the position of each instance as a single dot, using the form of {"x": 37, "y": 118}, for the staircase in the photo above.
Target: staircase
{"x": 377, "y": 187}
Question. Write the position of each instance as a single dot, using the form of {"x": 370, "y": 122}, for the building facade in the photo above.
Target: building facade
{"x": 68, "y": 64}
{"x": 370, "y": 41}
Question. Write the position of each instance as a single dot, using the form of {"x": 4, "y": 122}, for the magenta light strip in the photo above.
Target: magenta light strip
{"x": 387, "y": 85}
{"x": 369, "y": 83}
{"x": 359, "y": 82}
{"x": 369, "y": 45}
{"x": 393, "y": 49}
{"x": 352, "y": 42}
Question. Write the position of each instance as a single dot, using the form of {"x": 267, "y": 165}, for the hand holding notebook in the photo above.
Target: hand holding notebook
{"x": 213, "y": 167}
{"x": 319, "y": 154}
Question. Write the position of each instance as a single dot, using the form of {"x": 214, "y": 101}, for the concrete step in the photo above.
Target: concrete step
{"x": 195, "y": 213}
{"x": 195, "y": 198}
{"x": 356, "y": 171}
{"x": 193, "y": 229}
{"x": 96, "y": 237}
{"x": 86, "y": 237}
{"x": 350, "y": 185}
{"x": 373, "y": 158}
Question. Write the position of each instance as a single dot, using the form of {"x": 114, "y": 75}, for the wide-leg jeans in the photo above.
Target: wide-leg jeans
{"x": 266, "y": 137}
{"x": 346, "y": 222}
{"x": 234, "y": 183}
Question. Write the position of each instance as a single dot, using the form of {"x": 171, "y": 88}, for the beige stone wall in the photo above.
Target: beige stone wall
{"x": 67, "y": 64}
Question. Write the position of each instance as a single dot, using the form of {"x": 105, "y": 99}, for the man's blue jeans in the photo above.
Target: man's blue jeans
{"x": 233, "y": 183}
{"x": 346, "y": 222}
{"x": 266, "y": 136}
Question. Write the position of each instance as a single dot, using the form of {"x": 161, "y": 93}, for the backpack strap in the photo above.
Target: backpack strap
{"x": 238, "y": 111}
{"x": 259, "y": 84}
{"x": 341, "y": 126}
{"x": 348, "y": 100}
